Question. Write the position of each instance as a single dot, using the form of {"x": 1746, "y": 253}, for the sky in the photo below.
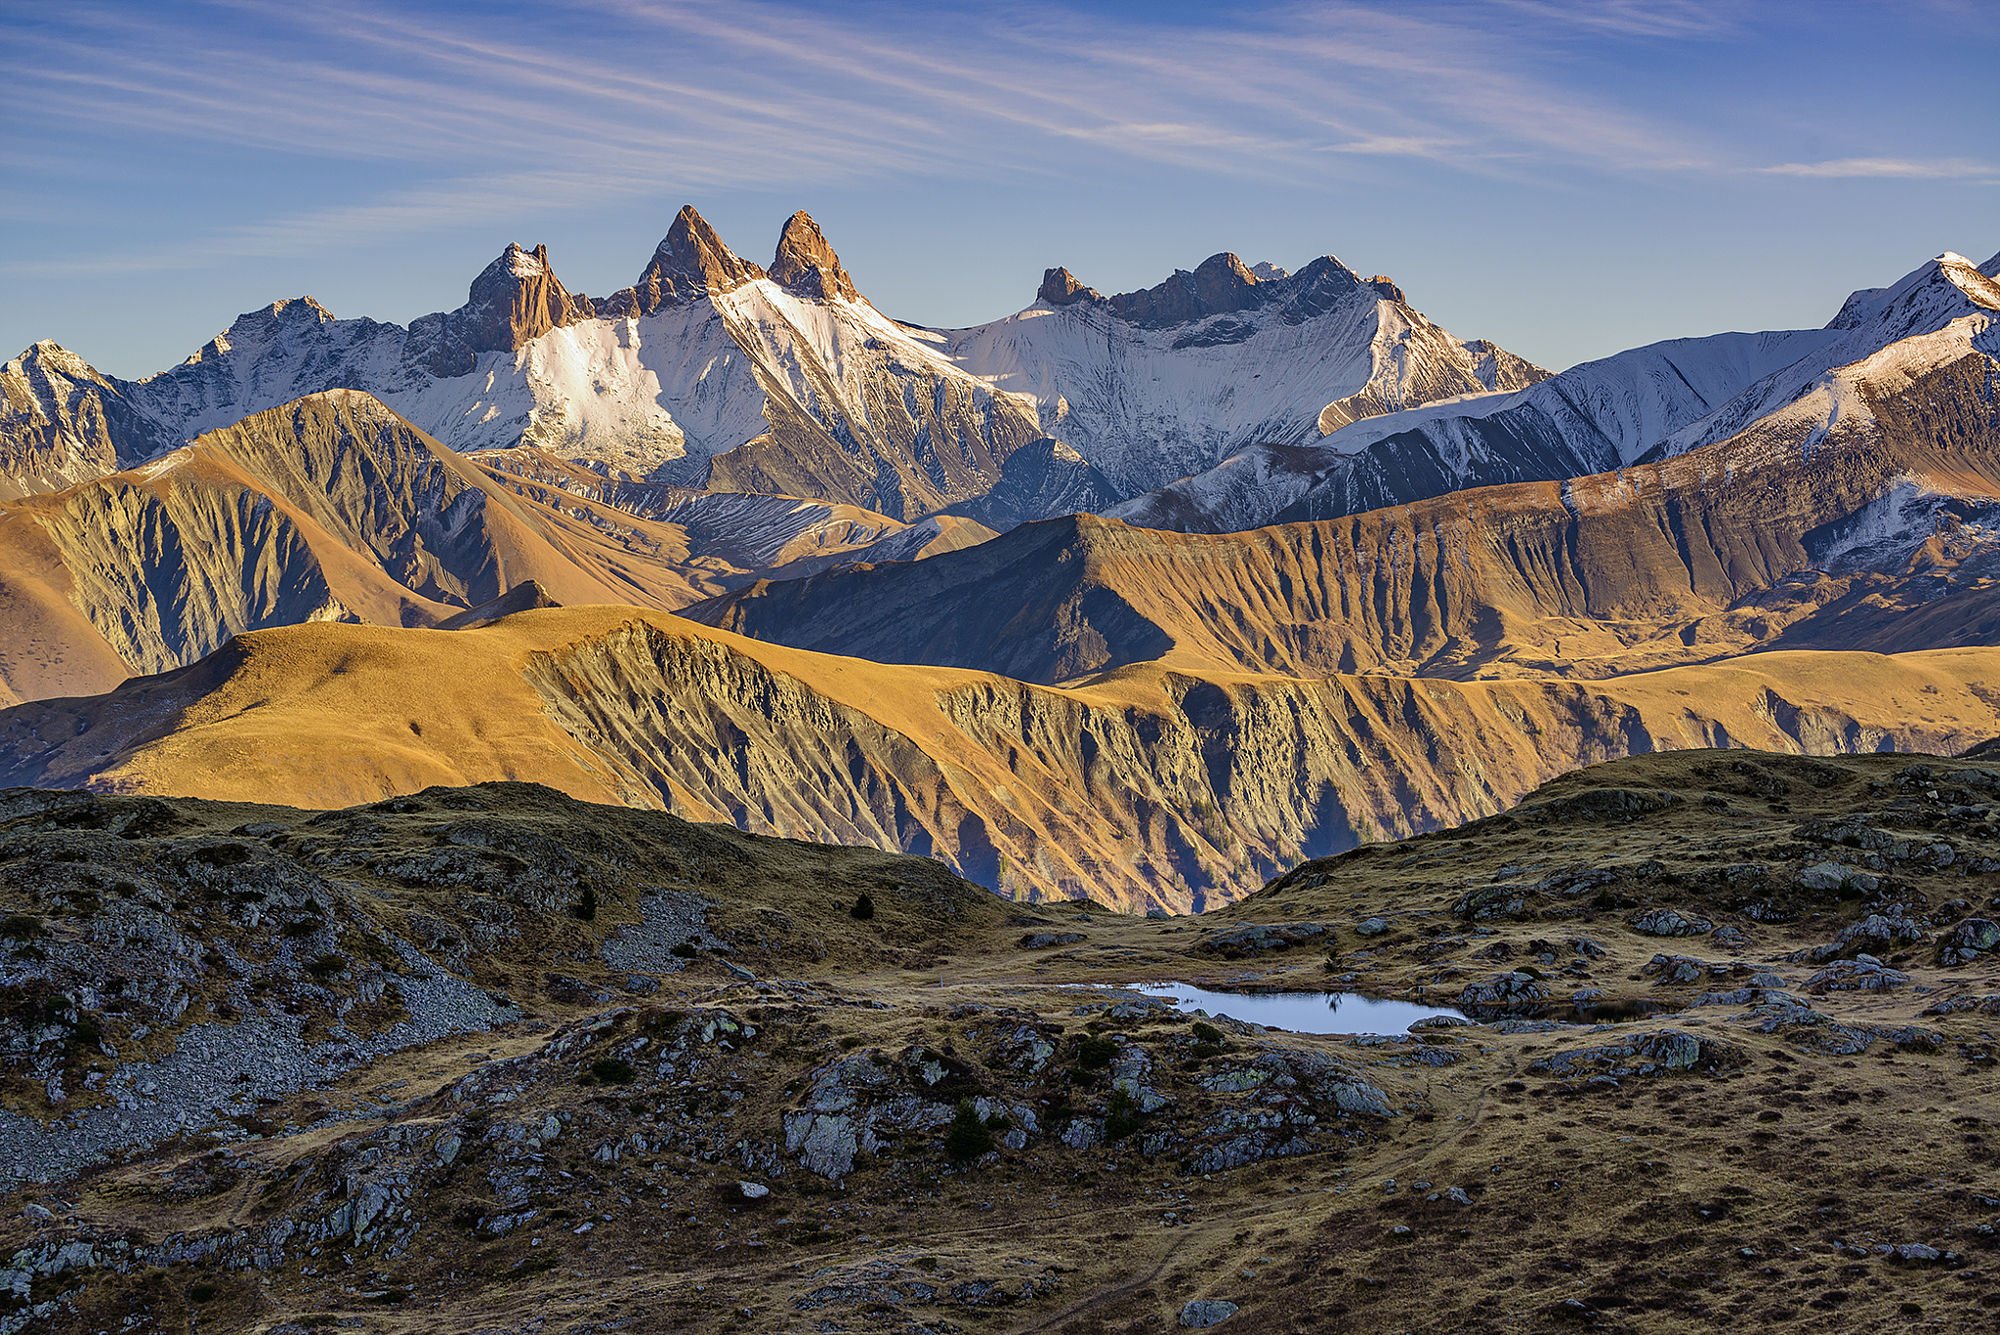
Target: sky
{"x": 1567, "y": 179}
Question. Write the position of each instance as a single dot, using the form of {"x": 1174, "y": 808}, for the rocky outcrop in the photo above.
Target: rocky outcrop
{"x": 805, "y": 264}
{"x": 1060, "y": 287}
{"x": 691, "y": 263}
{"x": 514, "y": 301}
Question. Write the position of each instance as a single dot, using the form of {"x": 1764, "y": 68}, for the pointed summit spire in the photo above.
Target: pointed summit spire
{"x": 514, "y": 301}
{"x": 690, "y": 263}
{"x": 805, "y": 264}
{"x": 1060, "y": 287}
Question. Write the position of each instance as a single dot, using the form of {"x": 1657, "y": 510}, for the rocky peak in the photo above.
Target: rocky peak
{"x": 1387, "y": 289}
{"x": 1268, "y": 272}
{"x": 805, "y": 264}
{"x": 690, "y": 263}
{"x": 1060, "y": 287}
{"x": 514, "y": 300}
{"x": 45, "y": 356}
{"x": 280, "y": 317}
{"x": 1921, "y": 301}
{"x": 1218, "y": 284}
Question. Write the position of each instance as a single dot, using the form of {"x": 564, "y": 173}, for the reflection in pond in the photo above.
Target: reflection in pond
{"x": 1301, "y": 1012}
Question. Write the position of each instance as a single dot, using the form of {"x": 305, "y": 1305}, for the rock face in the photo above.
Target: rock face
{"x": 1060, "y": 287}
{"x": 514, "y": 301}
{"x": 805, "y": 264}
{"x": 62, "y": 423}
{"x": 1154, "y": 789}
{"x": 691, "y": 263}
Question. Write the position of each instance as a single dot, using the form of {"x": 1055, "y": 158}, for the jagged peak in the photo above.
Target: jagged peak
{"x": 1992, "y": 267}
{"x": 518, "y": 262}
{"x": 691, "y": 262}
{"x": 1950, "y": 278}
{"x": 303, "y": 309}
{"x": 47, "y": 352}
{"x": 1060, "y": 287}
{"x": 805, "y": 264}
{"x": 1223, "y": 283}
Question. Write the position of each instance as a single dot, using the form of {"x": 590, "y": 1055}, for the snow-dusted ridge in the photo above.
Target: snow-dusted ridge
{"x": 1647, "y": 403}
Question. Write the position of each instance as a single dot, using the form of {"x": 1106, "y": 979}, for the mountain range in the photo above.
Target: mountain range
{"x": 712, "y": 371}
{"x": 1143, "y": 596}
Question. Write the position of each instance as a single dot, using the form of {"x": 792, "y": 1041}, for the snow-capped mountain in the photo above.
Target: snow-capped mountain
{"x": 708, "y": 371}
{"x": 711, "y": 371}
{"x": 1156, "y": 384}
{"x": 1650, "y": 402}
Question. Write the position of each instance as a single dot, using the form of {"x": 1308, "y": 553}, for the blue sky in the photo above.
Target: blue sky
{"x": 1565, "y": 178}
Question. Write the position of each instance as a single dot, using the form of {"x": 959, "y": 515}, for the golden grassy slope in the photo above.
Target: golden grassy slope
{"x": 333, "y": 507}
{"x": 1146, "y": 787}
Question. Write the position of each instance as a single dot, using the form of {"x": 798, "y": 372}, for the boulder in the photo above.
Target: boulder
{"x": 1833, "y": 876}
{"x": 1863, "y": 973}
{"x": 1205, "y": 1312}
{"x": 1966, "y": 942}
{"x": 1666, "y": 922}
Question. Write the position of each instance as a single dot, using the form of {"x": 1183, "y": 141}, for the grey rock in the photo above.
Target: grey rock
{"x": 1666, "y": 922}
{"x": 1966, "y": 942}
{"x": 1205, "y": 1312}
{"x": 1502, "y": 990}
{"x": 1833, "y": 876}
{"x": 1863, "y": 973}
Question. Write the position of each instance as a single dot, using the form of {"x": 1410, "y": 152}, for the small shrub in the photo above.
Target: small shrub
{"x": 303, "y": 927}
{"x": 864, "y": 908}
{"x": 1094, "y": 1054}
{"x": 203, "y": 1292}
{"x": 686, "y": 950}
{"x": 613, "y": 1071}
{"x": 1121, "y": 1117}
{"x": 1205, "y": 1032}
{"x": 326, "y": 965}
{"x": 585, "y": 908}
{"x": 968, "y": 1137}
{"x": 20, "y": 927}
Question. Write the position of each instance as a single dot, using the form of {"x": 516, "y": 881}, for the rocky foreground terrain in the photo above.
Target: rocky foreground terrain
{"x": 492, "y": 1059}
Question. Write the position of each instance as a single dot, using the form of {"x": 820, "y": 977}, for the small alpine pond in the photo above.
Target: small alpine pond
{"x": 1302, "y": 1012}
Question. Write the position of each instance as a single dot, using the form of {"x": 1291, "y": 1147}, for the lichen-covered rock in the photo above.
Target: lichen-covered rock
{"x": 1863, "y": 973}
{"x": 1966, "y": 942}
{"x": 1205, "y": 1312}
{"x": 1255, "y": 938}
{"x": 1876, "y": 934}
{"x": 1662, "y": 1052}
{"x": 1506, "y": 989}
{"x": 1667, "y": 922}
{"x": 1833, "y": 876}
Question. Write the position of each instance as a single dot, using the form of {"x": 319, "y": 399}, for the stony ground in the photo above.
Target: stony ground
{"x": 491, "y": 1060}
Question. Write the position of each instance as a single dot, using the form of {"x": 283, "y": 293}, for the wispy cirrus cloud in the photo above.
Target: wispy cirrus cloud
{"x": 1892, "y": 169}
{"x": 485, "y": 114}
